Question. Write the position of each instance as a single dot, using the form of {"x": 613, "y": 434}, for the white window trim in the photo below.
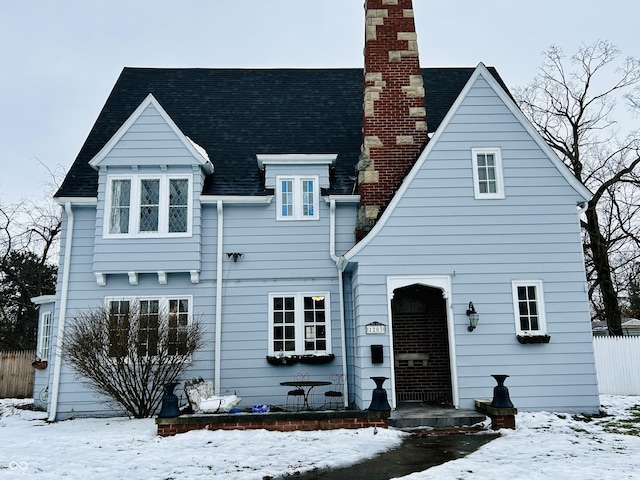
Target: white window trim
{"x": 297, "y": 197}
{"x": 542, "y": 321}
{"x": 500, "y": 194}
{"x": 134, "y": 206}
{"x": 44, "y": 339}
{"x": 299, "y": 322}
{"x": 163, "y": 302}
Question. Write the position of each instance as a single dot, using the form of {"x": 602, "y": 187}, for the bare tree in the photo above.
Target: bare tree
{"x": 128, "y": 355}
{"x": 574, "y": 107}
{"x": 29, "y": 235}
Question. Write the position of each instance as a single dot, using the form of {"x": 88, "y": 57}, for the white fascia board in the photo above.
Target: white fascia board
{"x": 76, "y": 200}
{"x": 583, "y": 191}
{"x": 480, "y": 70}
{"x": 296, "y": 159}
{"x": 43, "y": 299}
{"x": 150, "y": 100}
{"x": 238, "y": 200}
{"x": 342, "y": 198}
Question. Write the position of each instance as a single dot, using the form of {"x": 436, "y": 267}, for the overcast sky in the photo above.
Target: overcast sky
{"x": 60, "y": 58}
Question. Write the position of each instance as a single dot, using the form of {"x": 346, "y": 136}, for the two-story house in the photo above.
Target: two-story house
{"x": 359, "y": 215}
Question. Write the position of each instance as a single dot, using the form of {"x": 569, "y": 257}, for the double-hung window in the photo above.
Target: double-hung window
{"x": 149, "y": 325}
{"x": 299, "y": 324}
{"x": 528, "y": 304}
{"x": 297, "y": 198}
{"x": 487, "y": 173}
{"x": 140, "y": 205}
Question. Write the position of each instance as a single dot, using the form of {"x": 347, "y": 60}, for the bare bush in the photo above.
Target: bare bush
{"x": 128, "y": 354}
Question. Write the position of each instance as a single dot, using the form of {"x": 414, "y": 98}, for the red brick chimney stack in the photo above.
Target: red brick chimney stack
{"x": 395, "y": 127}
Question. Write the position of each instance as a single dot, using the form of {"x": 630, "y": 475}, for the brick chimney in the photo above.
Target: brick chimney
{"x": 394, "y": 127}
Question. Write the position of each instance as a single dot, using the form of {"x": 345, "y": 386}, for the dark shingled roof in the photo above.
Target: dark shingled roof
{"x": 235, "y": 114}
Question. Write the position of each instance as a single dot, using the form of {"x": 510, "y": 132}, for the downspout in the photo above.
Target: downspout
{"x": 218, "y": 340}
{"x": 55, "y": 388}
{"x": 343, "y": 341}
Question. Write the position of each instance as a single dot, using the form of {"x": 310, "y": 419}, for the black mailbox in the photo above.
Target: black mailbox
{"x": 377, "y": 355}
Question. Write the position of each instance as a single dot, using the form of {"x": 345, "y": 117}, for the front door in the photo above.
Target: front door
{"x": 421, "y": 345}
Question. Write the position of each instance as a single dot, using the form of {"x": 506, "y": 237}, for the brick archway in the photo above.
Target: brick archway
{"x": 421, "y": 345}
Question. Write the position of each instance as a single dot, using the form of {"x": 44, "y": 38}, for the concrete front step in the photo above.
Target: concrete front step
{"x": 412, "y": 417}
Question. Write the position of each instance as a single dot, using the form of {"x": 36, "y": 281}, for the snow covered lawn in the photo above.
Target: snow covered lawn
{"x": 544, "y": 445}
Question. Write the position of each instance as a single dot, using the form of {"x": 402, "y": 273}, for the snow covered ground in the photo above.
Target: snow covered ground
{"x": 543, "y": 446}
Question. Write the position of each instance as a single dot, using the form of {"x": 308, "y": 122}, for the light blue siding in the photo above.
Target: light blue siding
{"x": 439, "y": 228}
{"x": 153, "y": 148}
{"x": 283, "y": 257}
{"x": 434, "y": 228}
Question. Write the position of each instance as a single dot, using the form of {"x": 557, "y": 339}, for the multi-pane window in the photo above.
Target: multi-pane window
{"x": 315, "y": 327}
{"x": 299, "y": 324}
{"x": 139, "y": 205}
{"x": 308, "y": 198}
{"x": 286, "y": 198}
{"x": 487, "y": 173}
{"x": 178, "y": 205}
{"x": 284, "y": 324}
{"x": 118, "y": 327}
{"x": 154, "y": 324}
{"x": 297, "y": 198}
{"x": 149, "y": 205}
{"x": 528, "y": 305}
{"x": 120, "y": 204}
{"x": 45, "y": 336}
{"x": 148, "y": 327}
{"x": 178, "y": 323}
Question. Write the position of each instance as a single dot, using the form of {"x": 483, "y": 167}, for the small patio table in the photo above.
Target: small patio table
{"x": 306, "y": 386}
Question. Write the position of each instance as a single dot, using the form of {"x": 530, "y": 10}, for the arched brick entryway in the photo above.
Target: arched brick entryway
{"x": 421, "y": 345}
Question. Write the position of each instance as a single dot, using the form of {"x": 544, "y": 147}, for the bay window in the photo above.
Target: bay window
{"x": 148, "y": 206}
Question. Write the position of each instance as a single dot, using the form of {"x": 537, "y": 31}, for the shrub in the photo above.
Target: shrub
{"x": 128, "y": 355}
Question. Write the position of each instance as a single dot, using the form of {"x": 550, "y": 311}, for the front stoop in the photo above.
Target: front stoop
{"x": 277, "y": 421}
{"x": 433, "y": 418}
{"x": 500, "y": 417}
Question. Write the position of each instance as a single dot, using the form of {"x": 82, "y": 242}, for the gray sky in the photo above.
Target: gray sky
{"x": 59, "y": 59}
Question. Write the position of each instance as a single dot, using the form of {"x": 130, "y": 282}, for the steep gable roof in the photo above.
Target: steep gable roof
{"x": 235, "y": 114}
{"x": 198, "y": 154}
{"x": 505, "y": 96}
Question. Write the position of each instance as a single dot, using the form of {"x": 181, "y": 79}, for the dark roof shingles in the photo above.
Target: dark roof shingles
{"x": 235, "y": 114}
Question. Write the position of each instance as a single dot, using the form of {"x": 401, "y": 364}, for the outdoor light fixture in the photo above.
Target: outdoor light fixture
{"x": 473, "y": 317}
{"x": 235, "y": 256}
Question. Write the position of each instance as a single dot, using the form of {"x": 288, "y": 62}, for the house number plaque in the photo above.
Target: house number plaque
{"x": 375, "y": 327}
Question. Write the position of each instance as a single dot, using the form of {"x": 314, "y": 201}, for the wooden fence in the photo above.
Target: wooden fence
{"x": 618, "y": 364}
{"x": 16, "y": 374}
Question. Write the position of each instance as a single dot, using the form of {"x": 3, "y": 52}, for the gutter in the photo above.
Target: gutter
{"x": 218, "y": 338}
{"x": 55, "y": 388}
{"x": 340, "y": 268}
{"x": 582, "y": 207}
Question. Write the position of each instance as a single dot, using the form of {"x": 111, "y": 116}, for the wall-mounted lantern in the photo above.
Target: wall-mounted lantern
{"x": 473, "y": 317}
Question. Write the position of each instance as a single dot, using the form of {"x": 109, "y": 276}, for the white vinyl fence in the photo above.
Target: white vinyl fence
{"x": 618, "y": 364}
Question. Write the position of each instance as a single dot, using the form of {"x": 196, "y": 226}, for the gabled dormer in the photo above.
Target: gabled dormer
{"x": 150, "y": 175}
{"x": 297, "y": 181}
{"x": 151, "y": 172}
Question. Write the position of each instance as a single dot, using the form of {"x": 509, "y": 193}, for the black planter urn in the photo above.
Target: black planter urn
{"x": 170, "y": 407}
{"x": 501, "y": 393}
{"x": 379, "y": 402}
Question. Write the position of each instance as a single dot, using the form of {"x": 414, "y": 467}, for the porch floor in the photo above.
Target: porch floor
{"x": 419, "y": 415}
